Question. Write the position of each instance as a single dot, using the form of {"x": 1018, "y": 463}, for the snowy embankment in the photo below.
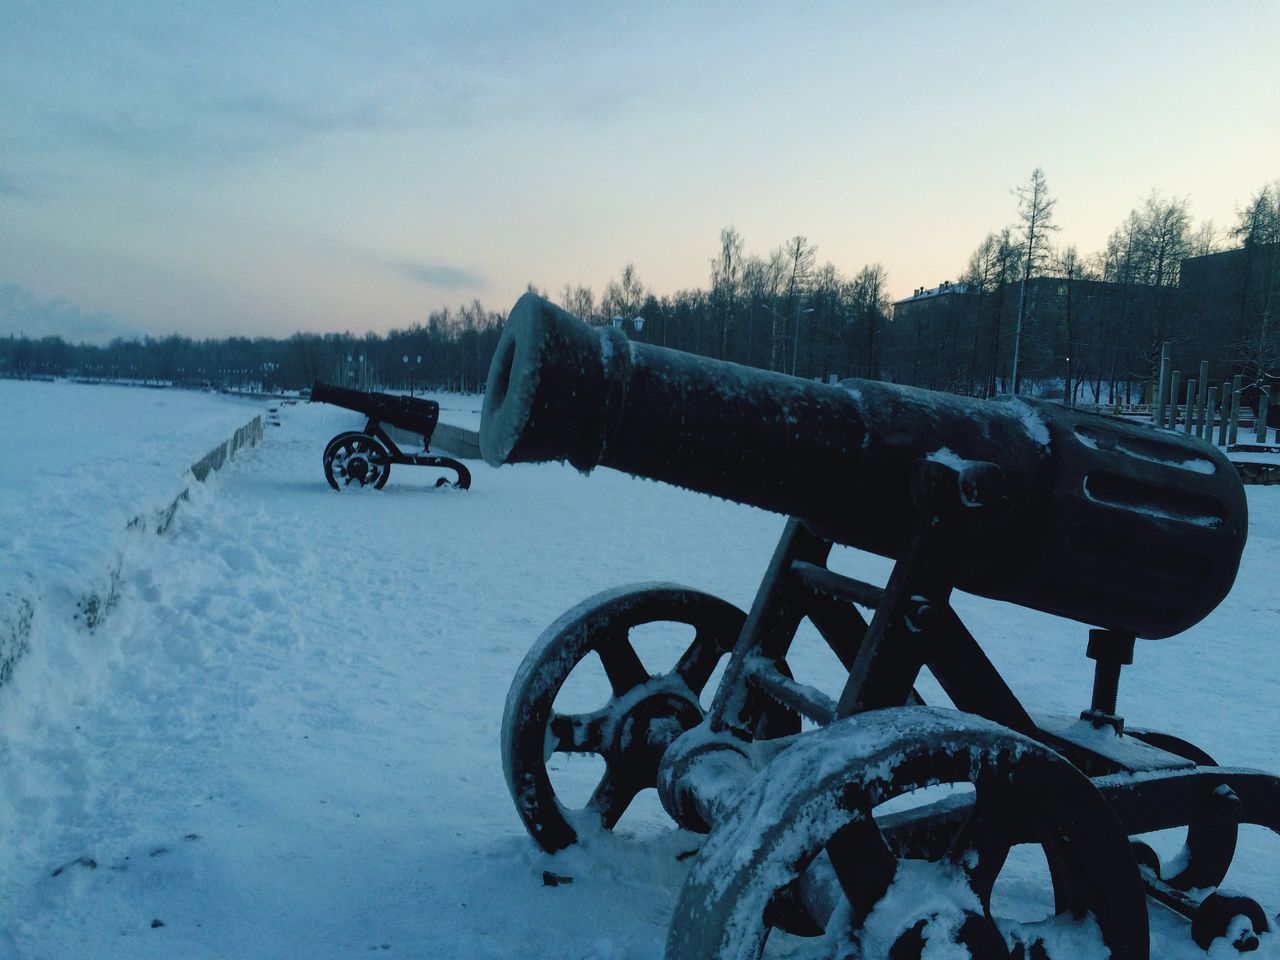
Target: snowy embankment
{"x": 283, "y": 742}
{"x": 83, "y": 463}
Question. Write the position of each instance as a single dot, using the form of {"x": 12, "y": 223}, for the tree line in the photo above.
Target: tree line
{"x": 1025, "y": 313}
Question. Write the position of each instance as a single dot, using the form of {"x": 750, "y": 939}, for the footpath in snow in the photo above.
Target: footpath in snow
{"x": 284, "y": 741}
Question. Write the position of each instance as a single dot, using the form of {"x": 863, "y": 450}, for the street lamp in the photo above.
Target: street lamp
{"x": 409, "y": 367}
{"x": 637, "y": 322}
{"x": 795, "y": 350}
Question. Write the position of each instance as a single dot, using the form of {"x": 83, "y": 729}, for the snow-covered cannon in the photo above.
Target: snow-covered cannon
{"x": 1134, "y": 532}
{"x": 364, "y": 457}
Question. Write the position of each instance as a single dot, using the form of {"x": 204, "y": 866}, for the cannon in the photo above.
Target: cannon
{"x": 871, "y": 818}
{"x": 364, "y": 457}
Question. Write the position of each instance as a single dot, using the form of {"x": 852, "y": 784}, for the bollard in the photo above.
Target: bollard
{"x": 1202, "y": 400}
{"x": 1224, "y": 411}
{"x": 1210, "y": 414}
{"x": 1162, "y": 390}
{"x": 1236, "y": 382}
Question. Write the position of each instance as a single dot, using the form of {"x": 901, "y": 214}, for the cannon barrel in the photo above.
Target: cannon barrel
{"x": 1108, "y": 523}
{"x": 409, "y": 413}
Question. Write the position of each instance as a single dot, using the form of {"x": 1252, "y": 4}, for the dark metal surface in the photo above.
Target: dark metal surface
{"x": 356, "y": 458}
{"x": 1120, "y": 527}
{"x": 1107, "y": 523}
{"x": 365, "y": 457}
{"x": 631, "y": 731}
{"x": 811, "y": 811}
{"x": 415, "y": 414}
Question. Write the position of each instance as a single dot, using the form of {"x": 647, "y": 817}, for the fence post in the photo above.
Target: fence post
{"x": 1190, "y": 425}
{"x": 1224, "y": 413}
{"x": 1210, "y": 414}
{"x": 1202, "y": 400}
{"x": 1162, "y": 389}
{"x": 1175, "y": 381}
{"x": 1260, "y": 422}
{"x": 1236, "y": 383}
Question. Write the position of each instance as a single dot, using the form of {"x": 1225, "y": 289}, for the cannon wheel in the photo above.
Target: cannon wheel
{"x": 644, "y": 715}
{"x": 358, "y": 458}
{"x": 890, "y": 882}
{"x": 1211, "y": 841}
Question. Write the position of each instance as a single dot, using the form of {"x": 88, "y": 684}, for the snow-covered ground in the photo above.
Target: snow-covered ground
{"x": 283, "y": 741}
{"x": 80, "y": 462}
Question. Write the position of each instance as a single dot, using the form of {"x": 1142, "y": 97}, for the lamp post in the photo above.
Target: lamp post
{"x": 636, "y": 322}
{"x": 795, "y": 349}
{"x": 409, "y": 367}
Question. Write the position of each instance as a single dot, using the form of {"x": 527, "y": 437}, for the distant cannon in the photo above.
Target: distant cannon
{"x": 364, "y": 457}
{"x": 1134, "y": 532}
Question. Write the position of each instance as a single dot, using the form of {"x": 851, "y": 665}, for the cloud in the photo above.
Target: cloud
{"x": 220, "y": 128}
{"x": 441, "y": 276}
{"x": 23, "y": 314}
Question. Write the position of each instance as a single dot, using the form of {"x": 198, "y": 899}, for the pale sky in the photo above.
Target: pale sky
{"x": 259, "y": 168}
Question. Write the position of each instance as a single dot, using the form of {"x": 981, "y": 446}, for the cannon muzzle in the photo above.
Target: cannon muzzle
{"x": 1108, "y": 523}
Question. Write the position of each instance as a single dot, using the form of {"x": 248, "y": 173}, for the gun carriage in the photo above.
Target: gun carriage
{"x": 1133, "y": 533}
{"x": 364, "y": 457}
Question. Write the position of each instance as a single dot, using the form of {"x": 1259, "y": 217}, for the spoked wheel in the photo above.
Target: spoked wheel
{"x": 643, "y": 716}
{"x": 897, "y": 884}
{"x": 356, "y": 459}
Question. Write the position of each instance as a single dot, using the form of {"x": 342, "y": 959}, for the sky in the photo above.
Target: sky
{"x": 258, "y": 169}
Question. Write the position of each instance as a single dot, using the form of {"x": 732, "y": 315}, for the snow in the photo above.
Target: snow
{"x": 283, "y": 740}
{"x": 1032, "y": 421}
{"x": 456, "y": 409}
{"x": 80, "y": 463}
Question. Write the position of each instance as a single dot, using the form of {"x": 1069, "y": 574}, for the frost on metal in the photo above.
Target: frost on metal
{"x": 826, "y": 781}
{"x": 1032, "y": 422}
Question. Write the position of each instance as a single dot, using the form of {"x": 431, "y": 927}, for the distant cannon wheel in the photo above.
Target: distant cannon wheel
{"x": 357, "y": 459}
{"x": 643, "y": 715}
{"x": 889, "y": 881}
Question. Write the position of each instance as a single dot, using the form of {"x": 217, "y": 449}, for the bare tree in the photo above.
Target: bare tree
{"x": 870, "y": 307}
{"x": 623, "y": 298}
{"x": 1068, "y": 263}
{"x": 1035, "y": 210}
{"x": 761, "y": 281}
{"x": 1205, "y": 239}
{"x": 992, "y": 266}
{"x": 1257, "y": 349}
{"x": 580, "y": 302}
{"x": 726, "y": 280}
{"x": 1165, "y": 237}
{"x": 798, "y": 256}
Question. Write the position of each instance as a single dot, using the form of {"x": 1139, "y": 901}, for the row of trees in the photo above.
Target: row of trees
{"x": 1024, "y": 313}
{"x": 782, "y": 312}
{"x": 1028, "y": 313}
